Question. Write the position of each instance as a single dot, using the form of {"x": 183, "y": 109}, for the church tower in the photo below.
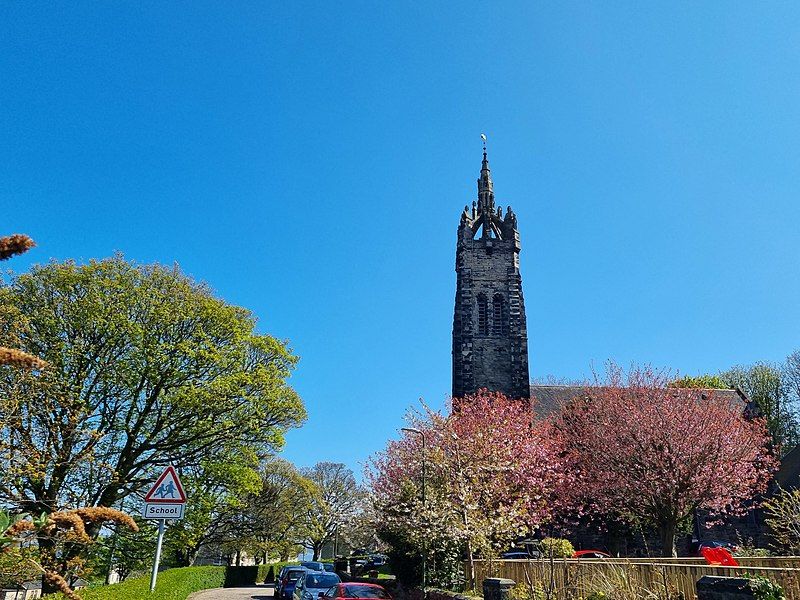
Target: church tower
{"x": 490, "y": 338}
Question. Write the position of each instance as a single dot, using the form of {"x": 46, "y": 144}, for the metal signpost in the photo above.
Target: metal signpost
{"x": 165, "y": 500}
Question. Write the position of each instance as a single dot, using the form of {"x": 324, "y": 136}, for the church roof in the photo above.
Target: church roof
{"x": 548, "y": 398}
{"x": 788, "y": 476}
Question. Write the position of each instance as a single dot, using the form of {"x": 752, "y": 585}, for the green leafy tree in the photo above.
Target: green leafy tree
{"x": 782, "y": 515}
{"x": 236, "y": 509}
{"x": 146, "y": 368}
{"x": 123, "y": 551}
{"x": 217, "y": 489}
{"x": 766, "y": 385}
{"x": 703, "y": 382}
{"x": 791, "y": 380}
{"x": 279, "y": 512}
{"x": 335, "y": 504}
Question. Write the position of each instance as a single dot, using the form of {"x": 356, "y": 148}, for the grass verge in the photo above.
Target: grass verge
{"x": 172, "y": 584}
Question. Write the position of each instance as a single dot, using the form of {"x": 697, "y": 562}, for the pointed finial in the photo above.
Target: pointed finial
{"x": 483, "y": 137}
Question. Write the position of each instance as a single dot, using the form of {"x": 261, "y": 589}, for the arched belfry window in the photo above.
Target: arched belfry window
{"x": 499, "y": 315}
{"x": 483, "y": 316}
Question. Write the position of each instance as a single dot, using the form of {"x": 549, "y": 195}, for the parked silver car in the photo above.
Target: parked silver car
{"x": 312, "y": 583}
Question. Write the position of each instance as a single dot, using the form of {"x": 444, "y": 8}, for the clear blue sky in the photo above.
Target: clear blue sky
{"x": 310, "y": 161}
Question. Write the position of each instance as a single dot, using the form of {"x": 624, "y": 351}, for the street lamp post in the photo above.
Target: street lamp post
{"x": 424, "y": 538}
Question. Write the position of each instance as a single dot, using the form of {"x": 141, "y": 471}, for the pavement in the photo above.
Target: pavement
{"x": 258, "y": 592}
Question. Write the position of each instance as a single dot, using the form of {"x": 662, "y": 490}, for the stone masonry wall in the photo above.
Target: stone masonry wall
{"x": 498, "y": 361}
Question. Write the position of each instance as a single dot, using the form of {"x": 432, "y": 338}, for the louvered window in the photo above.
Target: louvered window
{"x": 483, "y": 316}
{"x": 499, "y": 316}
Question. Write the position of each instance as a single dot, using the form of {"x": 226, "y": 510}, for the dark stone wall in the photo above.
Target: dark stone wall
{"x": 487, "y": 265}
{"x": 724, "y": 588}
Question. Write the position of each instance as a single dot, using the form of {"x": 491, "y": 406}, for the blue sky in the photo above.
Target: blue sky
{"x": 310, "y": 161}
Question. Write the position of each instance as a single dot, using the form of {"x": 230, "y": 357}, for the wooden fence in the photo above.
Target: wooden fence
{"x": 568, "y": 579}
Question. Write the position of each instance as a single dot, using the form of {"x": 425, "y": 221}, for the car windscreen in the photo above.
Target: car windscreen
{"x": 295, "y": 575}
{"x": 365, "y": 591}
{"x": 321, "y": 581}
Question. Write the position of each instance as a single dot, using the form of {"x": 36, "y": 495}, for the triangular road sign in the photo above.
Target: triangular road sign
{"x": 167, "y": 489}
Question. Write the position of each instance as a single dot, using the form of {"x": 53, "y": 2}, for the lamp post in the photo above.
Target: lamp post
{"x": 424, "y": 538}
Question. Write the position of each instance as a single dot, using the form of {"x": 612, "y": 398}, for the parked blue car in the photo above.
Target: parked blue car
{"x": 284, "y": 586}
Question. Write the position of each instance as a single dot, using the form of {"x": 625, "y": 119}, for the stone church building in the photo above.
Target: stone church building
{"x": 490, "y": 342}
{"x": 490, "y": 334}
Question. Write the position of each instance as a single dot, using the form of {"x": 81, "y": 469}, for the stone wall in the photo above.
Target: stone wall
{"x": 724, "y": 588}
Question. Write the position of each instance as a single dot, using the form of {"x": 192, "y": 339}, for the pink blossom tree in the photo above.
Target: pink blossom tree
{"x": 492, "y": 475}
{"x": 658, "y": 453}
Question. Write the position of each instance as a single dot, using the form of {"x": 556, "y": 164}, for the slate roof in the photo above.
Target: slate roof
{"x": 788, "y": 476}
{"x": 548, "y": 398}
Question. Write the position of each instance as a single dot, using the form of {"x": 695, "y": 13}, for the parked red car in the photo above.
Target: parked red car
{"x": 590, "y": 554}
{"x": 356, "y": 591}
{"x": 718, "y": 556}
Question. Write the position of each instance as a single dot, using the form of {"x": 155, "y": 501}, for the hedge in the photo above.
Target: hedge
{"x": 268, "y": 573}
{"x": 172, "y": 584}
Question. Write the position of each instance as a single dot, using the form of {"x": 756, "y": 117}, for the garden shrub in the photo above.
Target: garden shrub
{"x": 172, "y": 584}
{"x": 527, "y": 592}
{"x": 445, "y": 569}
{"x": 765, "y": 589}
{"x": 557, "y": 548}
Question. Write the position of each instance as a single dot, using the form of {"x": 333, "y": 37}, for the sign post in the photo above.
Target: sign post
{"x": 165, "y": 500}
{"x": 157, "y": 560}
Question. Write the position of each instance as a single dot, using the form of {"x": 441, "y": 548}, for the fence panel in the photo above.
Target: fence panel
{"x": 572, "y": 578}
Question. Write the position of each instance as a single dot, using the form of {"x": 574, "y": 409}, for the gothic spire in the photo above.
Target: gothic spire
{"x": 485, "y": 192}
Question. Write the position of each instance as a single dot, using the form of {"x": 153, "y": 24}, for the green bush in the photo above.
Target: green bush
{"x": 172, "y": 584}
{"x": 765, "y": 589}
{"x": 527, "y": 592}
{"x": 557, "y": 548}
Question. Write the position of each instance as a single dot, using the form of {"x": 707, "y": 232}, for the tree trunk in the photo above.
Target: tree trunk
{"x": 472, "y": 583}
{"x": 317, "y": 551}
{"x": 191, "y": 555}
{"x": 668, "y": 530}
{"x": 47, "y": 547}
